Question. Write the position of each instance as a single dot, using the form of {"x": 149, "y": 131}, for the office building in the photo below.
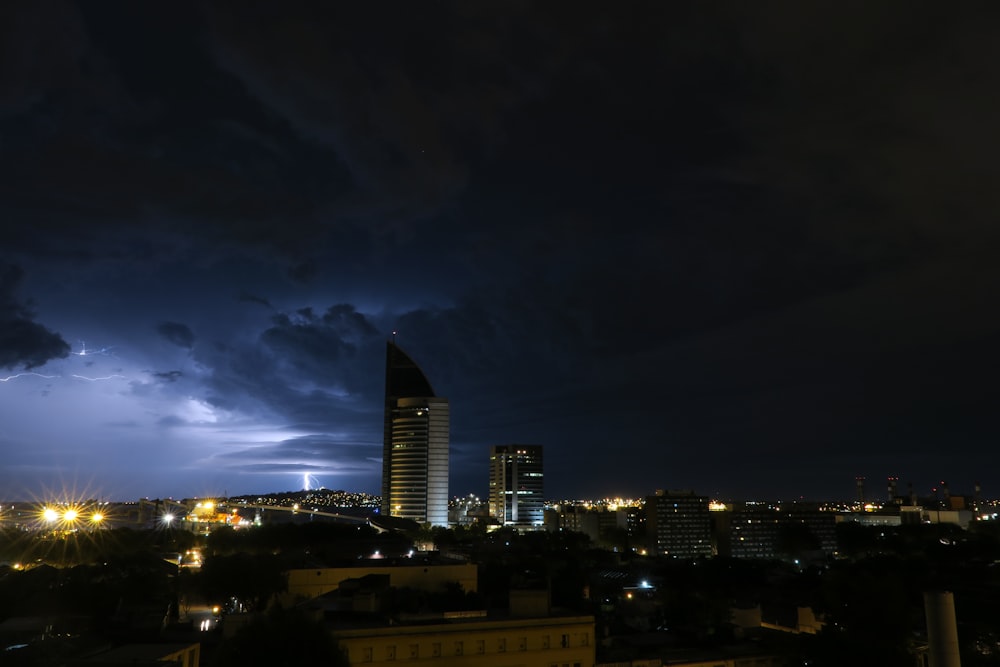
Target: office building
{"x": 791, "y": 531}
{"x": 516, "y": 486}
{"x": 414, "y": 445}
{"x": 679, "y": 525}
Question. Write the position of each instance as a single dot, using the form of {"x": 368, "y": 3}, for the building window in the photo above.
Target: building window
{"x": 458, "y": 648}
{"x": 522, "y": 644}
{"x": 366, "y": 654}
{"x": 545, "y": 641}
{"x": 565, "y": 641}
{"x": 390, "y": 652}
{"x": 501, "y": 645}
{"x": 436, "y": 649}
{"x": 414, "y": 651}
{"x": 480, "y": 646}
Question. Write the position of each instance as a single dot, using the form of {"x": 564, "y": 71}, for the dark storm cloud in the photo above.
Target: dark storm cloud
{"x": 254, "y": 147}
{"x": 294, "y": 468}
{"x": 312, "y": 343}
{"x": 168, "y": 376}
{"x": 178, "y": 334}
{"x": 313, "y": 369}
{"x": 303, "y": 272}
{"x": 328, "y": 450}
{"x": 90, "y": 122}
{"x": 24, "y": 343}
{"x": 253, "y": 298}
{"x": 393, "y": 104}
{"x": 715, "y": 231}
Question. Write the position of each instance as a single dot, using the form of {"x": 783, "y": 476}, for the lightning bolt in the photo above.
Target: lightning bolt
{"x": 310, "y": 482}
{"x": 84, "y": 352}
{"x": 21, "y": 375}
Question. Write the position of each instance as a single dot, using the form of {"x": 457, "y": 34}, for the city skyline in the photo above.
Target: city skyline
{"x": 749, "y": 252}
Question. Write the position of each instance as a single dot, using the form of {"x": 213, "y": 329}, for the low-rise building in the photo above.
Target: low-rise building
{"x": 428, "y": 575}
{"x": 472, "y": 639}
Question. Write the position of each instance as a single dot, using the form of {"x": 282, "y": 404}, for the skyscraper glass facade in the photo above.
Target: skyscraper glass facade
{"x": 517, "y": 485}
{"x": 415, "y": 444}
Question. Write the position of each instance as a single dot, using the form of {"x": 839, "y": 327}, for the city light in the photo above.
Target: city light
{"x": 70, "y": 515}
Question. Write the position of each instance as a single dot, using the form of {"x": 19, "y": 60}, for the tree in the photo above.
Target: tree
{"x": 278, "y": 638}
{"x": 795, "y": 540}
{"x": 252, "y": 579}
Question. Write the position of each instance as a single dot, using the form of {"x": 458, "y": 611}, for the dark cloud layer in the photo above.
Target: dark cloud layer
{"x": 746, "y": 250}
{"x": 24, "y": 343}
{"x": 178, "y": 334}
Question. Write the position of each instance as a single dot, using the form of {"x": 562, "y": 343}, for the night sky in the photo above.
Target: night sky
{"x": 749, "y": 249}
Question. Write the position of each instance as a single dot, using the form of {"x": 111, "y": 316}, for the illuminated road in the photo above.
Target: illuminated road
{"x": 347, "y": 518}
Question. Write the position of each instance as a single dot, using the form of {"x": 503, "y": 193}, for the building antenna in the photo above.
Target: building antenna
{"x": 393, "y": 337}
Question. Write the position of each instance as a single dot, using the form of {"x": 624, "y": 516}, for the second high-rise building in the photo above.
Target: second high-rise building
{"x": 415, "y": 444}
{"x": 516, "y": 486}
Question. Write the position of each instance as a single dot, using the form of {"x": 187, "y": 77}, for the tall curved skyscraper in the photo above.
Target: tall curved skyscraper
{"x": 414, "y": 445}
